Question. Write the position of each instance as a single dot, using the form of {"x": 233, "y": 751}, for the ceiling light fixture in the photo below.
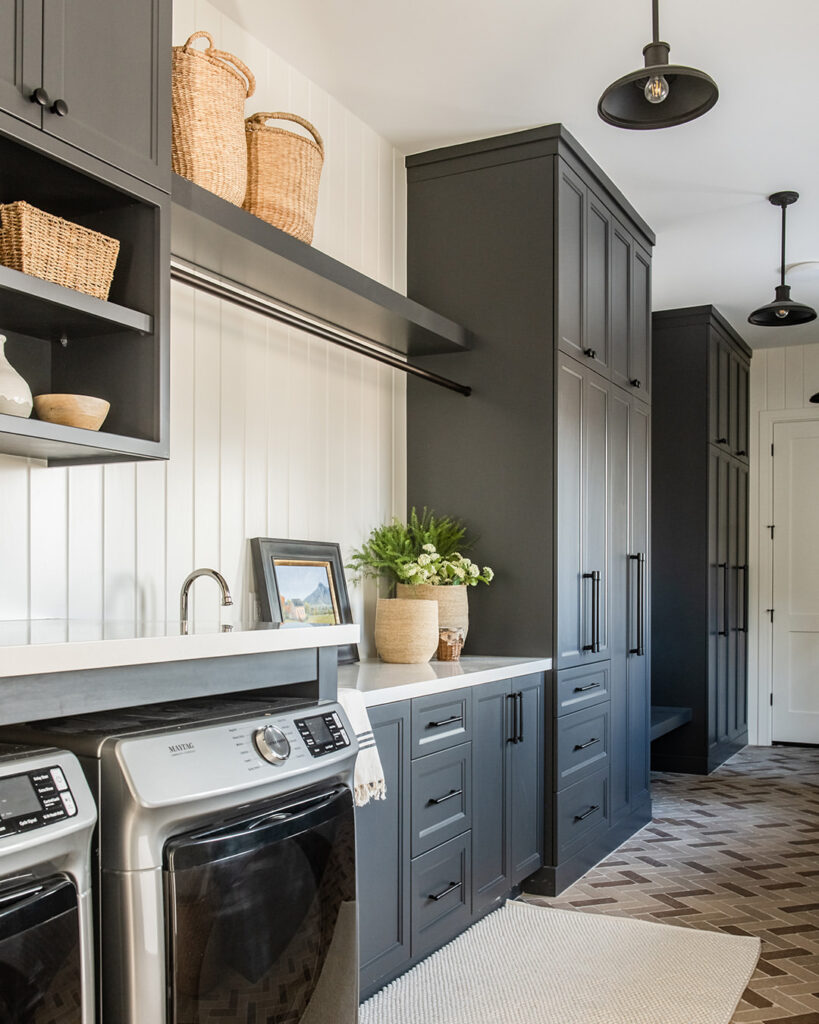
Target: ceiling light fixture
{"x": 660, "y": 95}
{"x": 782, "y": 312}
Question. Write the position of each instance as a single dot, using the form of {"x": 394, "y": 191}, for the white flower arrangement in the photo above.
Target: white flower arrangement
{"x": 454, "y": 570}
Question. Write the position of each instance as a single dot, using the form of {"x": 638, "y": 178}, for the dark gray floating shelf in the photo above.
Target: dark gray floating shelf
{"x": 217, "y": 236}
{"x": 29, "y": 305}
{"x": 666, "y": 719}
{"x": 60, "y": 445}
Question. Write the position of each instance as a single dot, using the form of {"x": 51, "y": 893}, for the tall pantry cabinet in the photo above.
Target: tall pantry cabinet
{"x": 523, "y": 239}
{"x": 700, "y": 564}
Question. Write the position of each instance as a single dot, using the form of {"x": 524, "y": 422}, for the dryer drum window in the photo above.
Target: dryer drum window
{"x": 261, "y": 914}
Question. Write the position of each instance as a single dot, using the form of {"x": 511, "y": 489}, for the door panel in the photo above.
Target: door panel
{"x": 639, "y": 697}
{"x": 571, "y": 259}
{"x": 595, "y": 541}
{"x": 491, "y": 788}
{"x": 714, "y": 592}
{"x": 569, "y": 554}
{"x": 383, "y": 851}
{"x": 619, "y": 570}
{"x": 796, "y": 583}
{"x": 742, "y": 601}
{"x": 526, "y": 797}
{"x": 21, "y": 68}
{"x": 110, "y": 63}
{"x": 733, "y": 496}
{"x": 620, "y": 305}
{"x": 743, "y": 384}
{"x": 597, "y": 288}
{"x": 639, "y": 360}
{"x": 723, "y": 602}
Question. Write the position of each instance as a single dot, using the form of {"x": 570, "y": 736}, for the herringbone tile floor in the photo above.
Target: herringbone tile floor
{"x": 736, "y": 851}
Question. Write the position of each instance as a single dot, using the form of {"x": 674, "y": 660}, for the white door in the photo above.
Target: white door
{"x": 796, "y": 582}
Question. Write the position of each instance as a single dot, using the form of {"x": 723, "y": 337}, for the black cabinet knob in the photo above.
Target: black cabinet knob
{"x": 40, "y": 96}
{"x": 722, "y": 440}
{"x": 590, "y": 352}
{"x": 742, "y": 452}
{"x": 634, "y": 382}
{"x": 59, "y": 107}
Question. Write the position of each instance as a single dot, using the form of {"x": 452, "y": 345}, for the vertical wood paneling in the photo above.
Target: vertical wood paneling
{"x": 273, "y": 433}
{"x": 775, "y": 378}
{"x": 794, "y": 377}
{"x": 810, "y": 383}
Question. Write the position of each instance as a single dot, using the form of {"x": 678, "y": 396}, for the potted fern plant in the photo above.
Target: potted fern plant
{"x": 423, "y": 559}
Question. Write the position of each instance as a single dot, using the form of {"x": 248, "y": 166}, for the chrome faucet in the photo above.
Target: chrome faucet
{"x": 186, "y": 586}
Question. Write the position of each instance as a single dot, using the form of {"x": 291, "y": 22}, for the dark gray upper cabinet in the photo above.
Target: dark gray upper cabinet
{"x": 699, "y": 574}
{"x": 21, "y": 30}
{"x": 383, "y": 852}
{"x": 102, "y": 75}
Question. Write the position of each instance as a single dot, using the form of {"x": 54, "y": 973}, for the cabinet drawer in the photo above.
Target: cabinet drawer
{"x": 441, "y": 720}
{"x": 581, "y": 687}
{"x": 441, "y": 884}
{"x": 441, "y": 797}
{"x": 582, "y": 744}
{"x": 582, "y": 810}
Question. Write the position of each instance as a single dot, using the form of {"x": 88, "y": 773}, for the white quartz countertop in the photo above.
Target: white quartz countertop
{"x": 382, "y": 683}
{"x": 34, "y": 646}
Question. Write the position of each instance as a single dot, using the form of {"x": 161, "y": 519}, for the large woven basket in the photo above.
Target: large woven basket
{"x": 208, "y": 143}
{"x": 57, "y": 250}
{"x": 283, "y": 172}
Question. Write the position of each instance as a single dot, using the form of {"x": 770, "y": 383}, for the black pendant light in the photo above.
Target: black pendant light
{"x": 782, "y": 312}
{"x": 660, "y": 95}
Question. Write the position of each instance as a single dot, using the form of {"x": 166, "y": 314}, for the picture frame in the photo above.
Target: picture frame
{"x": 302, "y": 582}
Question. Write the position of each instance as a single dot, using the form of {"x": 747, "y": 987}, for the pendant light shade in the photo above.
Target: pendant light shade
{"x": 660, "y": 95}
{"x": 782, "y": 312}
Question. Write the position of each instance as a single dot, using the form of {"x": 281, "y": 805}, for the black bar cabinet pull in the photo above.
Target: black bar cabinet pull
{"x": 585, "y": 814}
{"x": 447, "y": 796}
{"x": 724, "y": 630}
{"x": 744, "y": 591}
{"x": 519, "y": 702}
{"x": 513, "y": 725}
{"x": 594, "y": 646}
{"x": 440, "y": 895}
{"x": 588, "y": 686}
{"x": 640, "y": 649}
{"x": 588, "y": 743}
{"x": 722, "y": 440}
{"x": 445, "y": 721}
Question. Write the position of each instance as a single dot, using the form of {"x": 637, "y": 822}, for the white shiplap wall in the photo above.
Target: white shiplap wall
{"x": 782, "y": 380}
{"x": 273, "y": 433}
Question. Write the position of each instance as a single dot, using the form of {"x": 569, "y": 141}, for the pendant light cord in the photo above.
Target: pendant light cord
{"x": 782, "y": 264}
{"x": 655, "y": 19}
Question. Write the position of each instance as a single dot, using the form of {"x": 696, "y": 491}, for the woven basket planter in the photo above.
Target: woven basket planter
{"x": 406, "y": 632}
{"x": 57, "y": 250}
{"x": 453, "y": 604}
{"x": 209, "y": 89}
{"x": 283, "y": 173}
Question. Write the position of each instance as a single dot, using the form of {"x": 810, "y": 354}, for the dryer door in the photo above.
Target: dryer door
{"x": 40, "y": 976}
{"x": 261, "y": 915}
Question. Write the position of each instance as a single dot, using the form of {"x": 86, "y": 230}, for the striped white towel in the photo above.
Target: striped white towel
{"x": 369, "y": 775}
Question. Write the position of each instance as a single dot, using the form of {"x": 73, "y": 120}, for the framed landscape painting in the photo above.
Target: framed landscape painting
{"x": 301, "y": 583}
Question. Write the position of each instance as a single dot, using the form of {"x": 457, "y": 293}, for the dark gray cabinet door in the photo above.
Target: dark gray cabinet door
{"x": 526, "y": 804}
{"x": 492, "y": 735}
{"x": 714, "y": 583}
{"x": 383, "y": 851}
{"x": 742, "y": 600}
{"x": 21, "y": 29}
{"x": 733, "y": 597}
{"x": 597, "y": 284}
{"x": 571, "y": 258}
{"x": 621, "y": 302}
{"x": 619, "y": 580}
{"x": 639, "y": 601}
{"x": 723, "y": 600}
{"x": 741, "y": 412}
{"x": 640, "y": 336}
{"x": 719, "y": 385}
{"x": 595, "y": 517}
{"x": 110, "y": 64}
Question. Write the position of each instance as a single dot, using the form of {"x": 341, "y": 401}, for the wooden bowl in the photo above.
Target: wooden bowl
{"x": 72, "y": 410}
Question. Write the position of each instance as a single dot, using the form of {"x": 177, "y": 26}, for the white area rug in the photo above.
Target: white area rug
{"x": 534, "y": 965}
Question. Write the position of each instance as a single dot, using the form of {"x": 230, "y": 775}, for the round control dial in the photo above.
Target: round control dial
{"x": 272, "y": 744}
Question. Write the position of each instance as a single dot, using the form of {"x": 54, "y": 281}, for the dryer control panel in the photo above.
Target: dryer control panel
{"x": 323, "y": 733}
{"x": 34, "y": 799}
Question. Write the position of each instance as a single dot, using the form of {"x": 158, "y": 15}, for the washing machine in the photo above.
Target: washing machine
{"x": 47, "y": 817}
{"x": 226, "y": 860}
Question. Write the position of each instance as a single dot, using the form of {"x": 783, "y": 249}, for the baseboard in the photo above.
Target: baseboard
{"x": 551, "y": 880}
{"x": 685, "y": 764}
{"x": 722, "y": 751}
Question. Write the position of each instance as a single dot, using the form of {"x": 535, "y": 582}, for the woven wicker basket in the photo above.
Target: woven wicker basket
{"x": 283, "y": 172}
{"x": 406, "y": 632}
{"x": 54, "y": 249}
{"x": 208, "y": 141}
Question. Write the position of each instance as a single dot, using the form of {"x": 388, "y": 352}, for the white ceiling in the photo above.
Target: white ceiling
{"x": 433, "y": 72}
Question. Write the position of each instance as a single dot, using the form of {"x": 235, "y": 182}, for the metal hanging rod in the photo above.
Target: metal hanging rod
{"x": 264, "y": 305}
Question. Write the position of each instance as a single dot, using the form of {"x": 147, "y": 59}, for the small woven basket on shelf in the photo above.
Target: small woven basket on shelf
{"x": 57, "y": 250}
{"x": 209, "y": 89}
{"x": 283, "y": 172}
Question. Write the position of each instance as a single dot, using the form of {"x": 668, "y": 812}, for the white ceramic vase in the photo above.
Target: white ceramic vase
{"x": 15, "y": 394}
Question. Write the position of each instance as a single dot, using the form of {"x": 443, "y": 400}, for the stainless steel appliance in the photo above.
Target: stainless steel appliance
{"x": 226, "y": 860}
{"x": 47, "y": 817}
